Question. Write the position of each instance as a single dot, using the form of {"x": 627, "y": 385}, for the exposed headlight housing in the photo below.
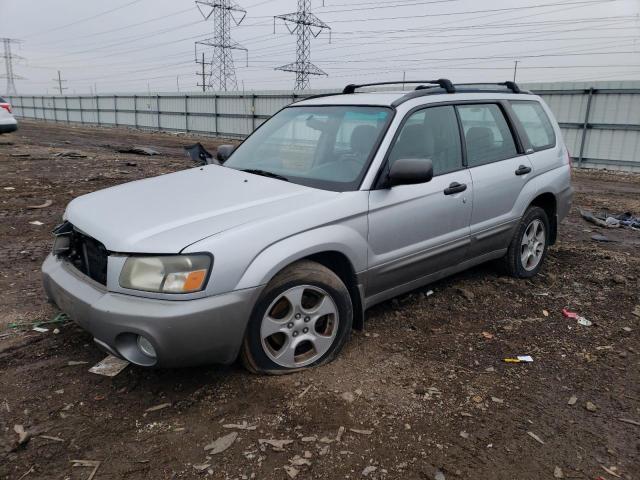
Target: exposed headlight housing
{"x": 166, "y": 274}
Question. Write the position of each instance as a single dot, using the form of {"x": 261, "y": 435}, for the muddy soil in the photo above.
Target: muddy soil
{"x": 422, "y": 393}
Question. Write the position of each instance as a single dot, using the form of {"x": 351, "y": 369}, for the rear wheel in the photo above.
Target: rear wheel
{"x": 529, "y": 244}
{"x": 302, "y": 319}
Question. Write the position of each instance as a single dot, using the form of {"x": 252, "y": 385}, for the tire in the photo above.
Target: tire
{"x": 534, "y": 221}
{"x": 302, "y": 319}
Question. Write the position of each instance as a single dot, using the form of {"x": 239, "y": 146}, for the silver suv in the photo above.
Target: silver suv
{"x": 336, "y": 203}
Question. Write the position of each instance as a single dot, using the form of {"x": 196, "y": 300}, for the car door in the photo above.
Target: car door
{"x": 417, "y": 230}
{"x": 499, "y": 170}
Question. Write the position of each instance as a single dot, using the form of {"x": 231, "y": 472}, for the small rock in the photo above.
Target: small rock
{"x": 590, "y": 406}
{"x": 201, "y": 467}
{"x": 438, "y": 475}
{"x": 545, "y": 313}
{"x": 368, "y": 470}
{"x": 23, "y": 435}
{"x": 276, "y": 445}
{"x": 572, "y": 400}
{"x": 348, "y": 397}
{"x": 535, "y": 437}
{"x": 291, "y": 471}
{"x": 626, "y": 329}
{"x": 464, "y": 434}
{"x": 477, "y": 398}
{"x": 619, "y": 279}
{"x": 56, "y": 331}
{"x": 497, "y": 400}
{"x": 467, "y": 294}
{"x": 636, "y": 311}
{"x": 557, "y": 472}
{"x": 222, "y": 443}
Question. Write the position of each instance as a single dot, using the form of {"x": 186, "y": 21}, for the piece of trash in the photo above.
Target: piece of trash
{"x": 520, "y": 359}
{"x": 138, "y": 150}
{"x": 54, "y": 439}
{"x": 610, "y": 471}
{"x": 9, "y": 188}
{"x": 629, "y": 421}
{"x": 40, "y": 329}
{"x": 200, "y": 155}
{"x": 487, "y": 335}
{"x": 361, "y": 432}
{"x": 110, "y": 366}
{"x": 36, "y": 223}
{"x": 72, "y": 363}
{"x": 429, "y": 293}
{"x": 558, "y": 473}
{"x": 240, "y": 426}
{"x": 158, "y": 407}
{"x": 608, "y": 220}
{"x": 545, "y": 313}
{"x": 47, "y": 203}
{"x": 87, "y": 463}
{"x": 23, "y": 435}
{"x": 221, "y": 444}
{"x": 535, "y": 437}
{"x": 291, "y": 471}
{"x": 276, "y": 445}
{"x": 58, "y": 319}
{"x": 572, "y": 400}
{"x": 602, "y": 238}
{"x": 581, "y": 320}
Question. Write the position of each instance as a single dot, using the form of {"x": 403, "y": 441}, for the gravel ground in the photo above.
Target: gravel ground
{"x": 422, "y": 393}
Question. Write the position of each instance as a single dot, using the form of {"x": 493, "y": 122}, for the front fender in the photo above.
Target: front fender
{"x": 349, "y": 240}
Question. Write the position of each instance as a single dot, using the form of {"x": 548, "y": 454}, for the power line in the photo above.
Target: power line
{"x": 305, "y": 25}
{"x": 222, "y": 73}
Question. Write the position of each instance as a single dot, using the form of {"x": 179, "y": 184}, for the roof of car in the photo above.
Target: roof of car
{"x": 436, "y": 89}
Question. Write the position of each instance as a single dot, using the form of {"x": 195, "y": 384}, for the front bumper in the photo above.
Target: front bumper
{"x": 183, "y": 332}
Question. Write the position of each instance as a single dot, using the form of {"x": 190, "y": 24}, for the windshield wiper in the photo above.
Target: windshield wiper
{"x": 265, "y": 173}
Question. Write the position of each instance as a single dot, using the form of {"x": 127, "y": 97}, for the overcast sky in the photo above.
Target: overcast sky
{"x": 132, "y": 45}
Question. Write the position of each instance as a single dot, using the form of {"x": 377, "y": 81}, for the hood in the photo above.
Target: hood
{"x": 165, "y": 214}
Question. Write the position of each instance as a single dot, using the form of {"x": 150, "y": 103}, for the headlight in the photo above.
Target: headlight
{"x": 166, "y": 274}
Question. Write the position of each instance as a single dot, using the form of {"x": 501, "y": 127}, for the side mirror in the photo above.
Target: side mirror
{"x": 224, "y": 152}
{"x": 410, "y": 171}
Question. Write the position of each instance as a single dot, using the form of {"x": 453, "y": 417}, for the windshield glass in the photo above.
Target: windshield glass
{"x": 326, "y": 147}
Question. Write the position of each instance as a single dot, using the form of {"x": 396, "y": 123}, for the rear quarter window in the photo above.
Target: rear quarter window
{"x": 536, "y": 124}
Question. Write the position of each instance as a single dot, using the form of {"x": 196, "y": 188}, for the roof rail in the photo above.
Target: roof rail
{"x": 442, "y": 82}
{"x": 513, "y": 86}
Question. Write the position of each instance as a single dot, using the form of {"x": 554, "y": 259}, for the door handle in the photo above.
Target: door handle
{"x": 523, "y": 170}
{"x": 455, "y": 187}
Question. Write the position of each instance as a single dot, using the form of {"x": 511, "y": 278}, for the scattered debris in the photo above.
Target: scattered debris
{"x": 199, "y": 154}
{"x": 23, "y": 435}
{"x": 138, "y": 150}
{"x": 611, "y": 471}
{"x": 131, "y": 164}
{"x": 201, "y": 467}
{"x": 487, "y": 335}
{"x": 221, "y": 444}
{"x": 467, "y": 294}
{"x": 369, "y": 470}
{"x": 110, "y": 366}
{"x": 535, "y": 437}
{"x": 348, "y": 397}
{"x": 557, "y": 472}
{"x": 37, "y": 223}
{"x": 572, "y": 400}
{"x": 9, "y": 188}
{"x": 339, "y": 434}
{"x": 291, "y": 471}
{"x": 240, "y": 426}
{"x": 53, "y": 439}
{"x": 630, "y": 422}
{"x": 581, "y": 320}
{"x": 607, "y": 220}
{"x": 590, "y": 406}
{"x": 438, "y": 475}
{"x": 61, "y": 318}
{"x": 545, "y": 313}
{"x": 40, "y": 329}
{"x": 311, "y": 438}
{"x": 47, "y": 203}
{"x": 497, "y": 400}
{"x": 73, "y": 363}
{"x": 299, "y": 461}
{"x": 276, "y": 445}
{"x": 636, "y": 311}
{"x": 361, "y": 432}
{"x": 520, "y": 359}
{"x": 303, "y": 393}
{"x": 87, "y": 463}
{"x": 464, "y": 434}
{"x": 20, "y": 155}
{"x": 602, "y": 238}
{"x": 158, "y": 407}
{"x": 70, "y": 154}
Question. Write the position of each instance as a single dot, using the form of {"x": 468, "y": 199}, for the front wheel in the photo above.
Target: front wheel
{"x": 529, "y": 244}
{"x": 302, "y": 319}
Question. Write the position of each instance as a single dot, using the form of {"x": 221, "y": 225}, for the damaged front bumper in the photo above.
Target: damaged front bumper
{"x": 182, "y": 332}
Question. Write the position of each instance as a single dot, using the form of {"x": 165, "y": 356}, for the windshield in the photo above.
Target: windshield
{"x": 326, "y": 147}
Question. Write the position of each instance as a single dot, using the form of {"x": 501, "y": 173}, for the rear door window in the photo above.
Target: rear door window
{"x": 487, "y": 135}
{"x": 536, "y": 124}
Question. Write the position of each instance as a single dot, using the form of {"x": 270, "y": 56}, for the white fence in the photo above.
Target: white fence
{"x": 600, "y": 121}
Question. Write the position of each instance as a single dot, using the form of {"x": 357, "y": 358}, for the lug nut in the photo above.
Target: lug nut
{"x": 298, "y": 315}
{"x": 290, "y": 325}
{"x": 295, "y": 334}
{"x": 305, "y": 330}
{"x": 307, "y": 319}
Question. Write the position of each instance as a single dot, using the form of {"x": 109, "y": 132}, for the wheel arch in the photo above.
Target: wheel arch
{"x": 548, "y": 202}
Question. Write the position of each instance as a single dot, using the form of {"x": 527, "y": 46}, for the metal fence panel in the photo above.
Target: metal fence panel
{"x": 600, "y": 121}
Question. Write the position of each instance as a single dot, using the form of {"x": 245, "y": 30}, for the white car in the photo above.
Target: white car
{"x": 8, "y": 122}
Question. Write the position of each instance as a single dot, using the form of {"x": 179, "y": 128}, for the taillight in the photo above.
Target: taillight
{"x": 6, "y": 106}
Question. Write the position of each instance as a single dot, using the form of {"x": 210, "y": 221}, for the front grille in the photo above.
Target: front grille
{"x": 86, "y": 254}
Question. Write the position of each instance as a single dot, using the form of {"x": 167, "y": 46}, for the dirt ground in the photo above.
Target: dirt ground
{"x": 422, "y": 393}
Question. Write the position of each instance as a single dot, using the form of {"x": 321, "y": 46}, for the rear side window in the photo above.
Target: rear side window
{"x": 433, "y": 134}
{"x": 487, "y": 134}
{"x": 536, "y": 124}
{"x": 2, "y": 100}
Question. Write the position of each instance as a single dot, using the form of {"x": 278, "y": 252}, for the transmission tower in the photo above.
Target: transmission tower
{"x": 8, "y": 64}
{"x": 305, "y": 25}
{"x": 222, "y": 73}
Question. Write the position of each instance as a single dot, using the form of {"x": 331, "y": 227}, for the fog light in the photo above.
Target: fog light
{"x": 145, "y": 346}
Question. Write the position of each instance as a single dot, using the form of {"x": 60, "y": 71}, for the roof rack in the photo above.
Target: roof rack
{"x": 513, "y": 86}
{"x": 442, "y": 82}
